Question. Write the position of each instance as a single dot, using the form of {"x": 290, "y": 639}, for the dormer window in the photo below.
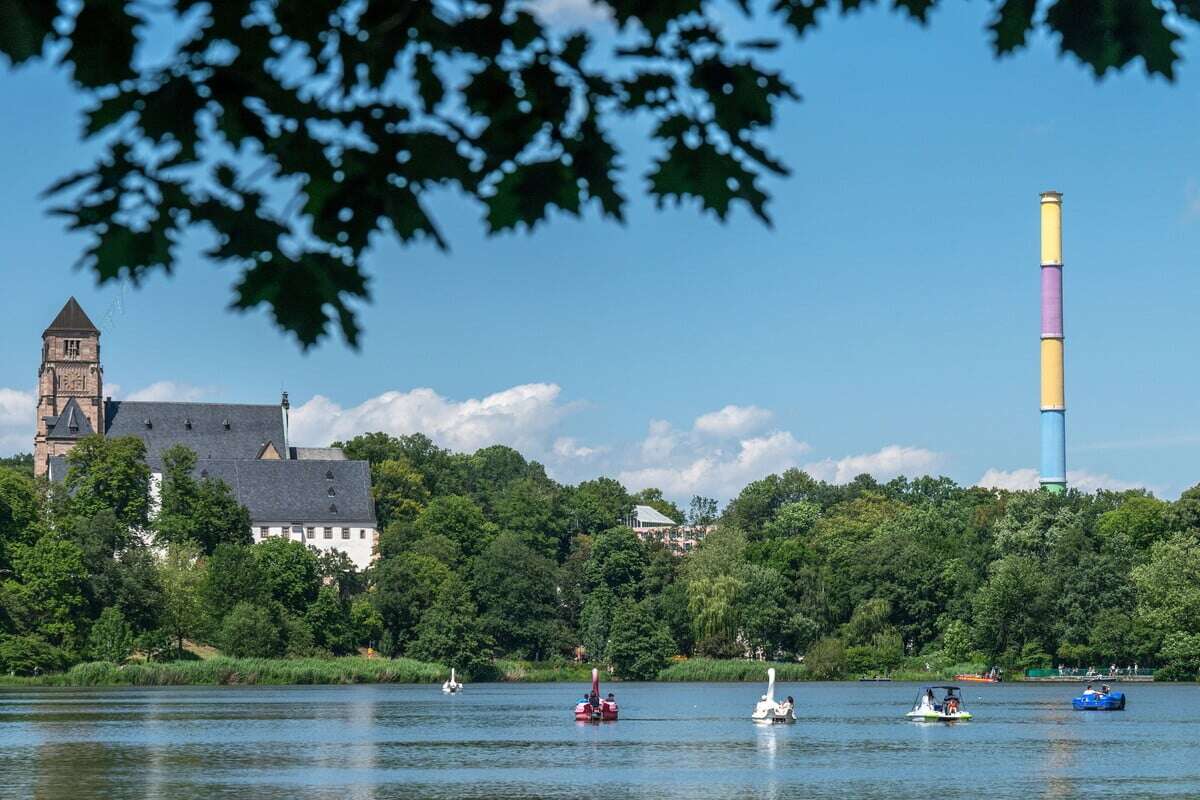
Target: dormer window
{"x": 71, "y": 348}
{"x": 187, "y": 423}
{"x": 225, "y": 424}
{"x": 329, "y": 474}
{"x": 203, "y": 473}
{"x": 331, "y": 492}
{"x": 333, "y": 508}
{"x": 148, "y": 423}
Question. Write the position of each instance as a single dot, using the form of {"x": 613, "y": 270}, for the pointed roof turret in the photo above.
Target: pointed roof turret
{"x": 71, "y": 319}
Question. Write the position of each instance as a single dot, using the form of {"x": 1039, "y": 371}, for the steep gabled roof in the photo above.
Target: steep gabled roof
{"x": 71, "y": 319}
{"x": 72, "y": 423}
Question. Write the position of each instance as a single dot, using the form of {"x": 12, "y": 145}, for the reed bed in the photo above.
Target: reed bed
{"x": 246, "y": 671}
{"x": 514, "y": 670}
{"x": 733, "y": 670}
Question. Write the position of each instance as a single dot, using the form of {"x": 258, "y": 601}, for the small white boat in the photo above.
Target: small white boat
{"x": 452, "y": 686}
{"x": 768, "y": 711}
{"x": 928, "y": 709}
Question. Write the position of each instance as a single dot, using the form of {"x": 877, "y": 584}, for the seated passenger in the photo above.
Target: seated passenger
{"x": 1089, "y": 691}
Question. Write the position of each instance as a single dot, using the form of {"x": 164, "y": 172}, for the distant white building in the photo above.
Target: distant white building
{"x": 651, "y": 525}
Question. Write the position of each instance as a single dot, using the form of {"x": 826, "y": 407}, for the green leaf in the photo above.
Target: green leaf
{"x": 714, "y": 178}
{"x": 1108, "y": 34}
{"x": 298, "y": 292}
{"x": 1014, "y": 20}
{"x": 102, "y": 43}
{"x": 524, "y": 195}
{"x": 429, "y": 85}
{"x": 24, "y": 27}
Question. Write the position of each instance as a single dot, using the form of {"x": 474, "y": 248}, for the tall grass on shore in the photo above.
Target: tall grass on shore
{"x": 545, "y": 671}
{"x": 714, "y": 670}
{"x": 245, "y": 671}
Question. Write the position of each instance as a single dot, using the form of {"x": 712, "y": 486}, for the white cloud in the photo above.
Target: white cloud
{"x": 17, "y": 421}
{"x": 522, "y": 417}
{"x": 1013, "y": 480}
{"x": 733, "y": 421}
{"x": 717, "y": 473}
{"x": 660, "y": 442}
{"x": 163, "y": 391}
{"x": 1026, "y": 479}
{"x": 570, "y": 13}
{"x": 886, "y": 463}
{"x": 567, "y": 447}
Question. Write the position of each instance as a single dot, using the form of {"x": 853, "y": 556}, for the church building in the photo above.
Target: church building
{"x": 310, "y": 494}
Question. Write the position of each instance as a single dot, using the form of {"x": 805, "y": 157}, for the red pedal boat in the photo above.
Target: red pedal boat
{"x": 594, "y": 708}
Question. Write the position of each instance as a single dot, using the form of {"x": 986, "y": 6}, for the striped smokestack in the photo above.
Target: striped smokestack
{"x": 1054, "y": 407}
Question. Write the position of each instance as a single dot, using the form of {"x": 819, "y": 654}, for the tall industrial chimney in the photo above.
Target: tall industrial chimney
{"x": 1054, "y": 407}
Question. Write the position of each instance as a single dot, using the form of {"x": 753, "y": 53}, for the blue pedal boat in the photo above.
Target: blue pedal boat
{"x": 1113, "y": 701}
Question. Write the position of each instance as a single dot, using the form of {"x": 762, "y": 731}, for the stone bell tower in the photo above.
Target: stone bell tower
{"x": 70, "y": 386}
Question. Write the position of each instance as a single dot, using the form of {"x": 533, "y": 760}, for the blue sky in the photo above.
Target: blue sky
{"x": 887, "y": 323}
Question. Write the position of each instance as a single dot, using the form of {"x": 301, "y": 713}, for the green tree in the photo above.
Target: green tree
{"x": 458, "y": 519}
{"x": 231, "y": 576}
{"x": 205, "y": 512}
{"x": 450, "y": 632}
{"x": 20, "y": 506}
{"x": 1168, "y": 585}
{"x": 404, "y": 587}
{"x": 29, "y": 655}
{"x": 328, "y": 617}
{"x": 180, "y": 576}
{"x": 368, "y": 624}
{"x": 595, "y": 619}
{"x": 46, "y": 597}
{"x": 618, "y": 560}
{"x": 517, "y": 592}
{"x": 1011, "y": 608}
{"x": 596, "y": 505}
{"x": 399, "y": 491}
{"x": 109, "y": 474}
{"x": 638, "y": 645}
{"x": 111, "y": 639}
{"x": 290, "y": 572}
{"x": 254, "y": 630}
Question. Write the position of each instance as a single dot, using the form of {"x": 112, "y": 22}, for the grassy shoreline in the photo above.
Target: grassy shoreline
{"x": 222, "y": 671}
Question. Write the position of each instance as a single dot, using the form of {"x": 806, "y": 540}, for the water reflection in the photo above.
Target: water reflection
{"x": 520, "y": 741}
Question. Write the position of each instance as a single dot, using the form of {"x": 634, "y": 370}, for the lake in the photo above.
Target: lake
{"x": 519, "y": 741}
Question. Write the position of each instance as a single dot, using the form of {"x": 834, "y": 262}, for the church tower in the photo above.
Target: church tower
{"x": 70, "y": 386}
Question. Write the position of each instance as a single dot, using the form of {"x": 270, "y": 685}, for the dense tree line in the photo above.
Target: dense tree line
{"x": 483, "y": 555}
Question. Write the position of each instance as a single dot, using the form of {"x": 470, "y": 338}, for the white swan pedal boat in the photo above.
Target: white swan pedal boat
{"x": 770, "y": 712}
{"x": 452, "y": 686}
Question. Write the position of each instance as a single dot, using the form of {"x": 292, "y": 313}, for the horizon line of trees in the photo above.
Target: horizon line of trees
{"x": 483, "y": 555}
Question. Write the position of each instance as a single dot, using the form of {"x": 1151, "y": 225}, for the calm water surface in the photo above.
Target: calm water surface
{"x": 518, "y": 741}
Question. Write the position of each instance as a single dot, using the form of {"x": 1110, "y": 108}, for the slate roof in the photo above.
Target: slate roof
{"x": 296, "y": 491}
{"x": 71, "y": 423}
{"x": 211, "y": 430}
{"x": 71, "y": 319}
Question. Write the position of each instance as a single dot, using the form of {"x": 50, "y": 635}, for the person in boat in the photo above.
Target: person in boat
{"x": 1089, "y": 691}
{"x": 1104, "y": 690}
{"x": 594, "y": 699}
{"x": 612, "y": 698}
{"x": 928, "y": 702}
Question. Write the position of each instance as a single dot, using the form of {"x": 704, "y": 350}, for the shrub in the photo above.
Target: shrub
{"x": 826, "y": 660}
{"x": 254, "y": 630}
{"x": 29, "y": 655}
{"x": 638, "y": 644}
{"x": 111, "y": 640}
